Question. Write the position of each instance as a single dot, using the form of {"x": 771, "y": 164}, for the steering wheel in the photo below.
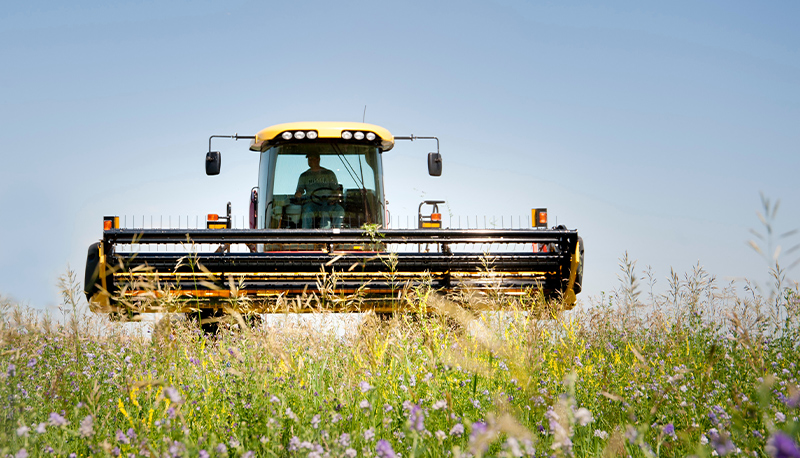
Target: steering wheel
{"x": 321, "y": 196}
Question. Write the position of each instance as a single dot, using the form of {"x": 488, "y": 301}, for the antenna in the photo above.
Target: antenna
{"x": 363, "y": 118}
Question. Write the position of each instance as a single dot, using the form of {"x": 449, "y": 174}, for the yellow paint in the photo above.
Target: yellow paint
{"x": 324, "y": 130}
{"x": 569, "y": 294}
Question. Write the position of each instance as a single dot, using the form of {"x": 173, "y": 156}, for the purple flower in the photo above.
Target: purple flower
{"x": 12, "y": 369}
{"x": 177, "y": 449}
{"x": 173, "y": 395}
{"x": 204, "y": 454}
{"x": 457, "y": 430}
{"x": 781, "y": 445}
{"x": 32, "y": 362}
{"x": 384, "y": 449}
{"x": 344, "y": 440}
{"x": 478, "y": 428}
{"x": 22, "y": 453}
{"x": 294, "y": 444}
{"x": 669, "y": 429}
{"x": 57, "y": 420}
{"x": 722, "y": 444}
{"x": 221, "y": 448}
{"x": 416, "y": 419}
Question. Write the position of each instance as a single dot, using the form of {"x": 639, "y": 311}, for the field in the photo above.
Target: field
{"x": 698, "y": 370}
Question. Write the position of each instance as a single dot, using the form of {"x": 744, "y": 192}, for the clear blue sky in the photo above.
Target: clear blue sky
{"x": 650, "y": 127}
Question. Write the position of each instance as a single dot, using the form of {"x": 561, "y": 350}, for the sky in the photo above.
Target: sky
{"x": 651, "y": 128}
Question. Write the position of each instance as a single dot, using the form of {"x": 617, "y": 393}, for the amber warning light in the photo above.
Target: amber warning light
{"x": 539, "y": 217}
{"x": 110, "y": 222}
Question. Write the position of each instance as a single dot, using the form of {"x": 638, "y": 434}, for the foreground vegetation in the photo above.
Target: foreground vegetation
{"x": 696, "y": 371}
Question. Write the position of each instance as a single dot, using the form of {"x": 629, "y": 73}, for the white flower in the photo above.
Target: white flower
{"x": 601, "y": 434}
{"x": 87, "y": 426}
{"x": 513, "y": 444}
{"x": 440, "y": 435}
{"x": 703, "y": 439}
{"x": 439, "y": 405}
{"x": 780, "y": 417}
{"x": 364, "y": 404}
{"x": 369, "y": 434}
{"x": 364, "y": 387}
{"x": 351, "y": 453}
{"x": 41, "y": 428}
{"x": 315, "y": 421}
{"x": 291, "y": 414}
{"x": 22, "y": 431}
{"x": 583, "y": 416}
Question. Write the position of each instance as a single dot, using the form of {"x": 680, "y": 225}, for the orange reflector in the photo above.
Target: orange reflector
{"x": 436, "y": 216}
{"x": 110, "y": 222}
{"x": 213, "y": 217}
{"x": 543, "y": 217}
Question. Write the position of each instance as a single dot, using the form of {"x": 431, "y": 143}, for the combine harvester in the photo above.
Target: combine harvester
{"x": 316, "y": 231}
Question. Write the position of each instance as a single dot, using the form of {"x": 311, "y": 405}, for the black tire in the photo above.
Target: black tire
{"x": 92, "y": 270}
{"x": 203, "y": 317}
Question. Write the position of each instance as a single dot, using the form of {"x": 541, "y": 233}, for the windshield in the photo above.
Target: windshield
{"x": 324, "y": 185}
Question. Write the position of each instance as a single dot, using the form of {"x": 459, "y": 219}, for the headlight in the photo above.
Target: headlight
{"x": 370, "y": 136}
{"x": 299, "y": 135}
{"x": 311, "y": 135}
{"x": 286, "y": 135}
{"x": 359, "y": 135}
{"x": 347, "y": 135}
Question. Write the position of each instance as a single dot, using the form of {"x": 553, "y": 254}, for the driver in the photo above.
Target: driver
{"x": 318, "y": 184}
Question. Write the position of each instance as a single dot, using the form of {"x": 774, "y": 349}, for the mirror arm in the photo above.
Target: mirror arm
{"x": 413, "y": 137}
{"x": 234, "y": 136}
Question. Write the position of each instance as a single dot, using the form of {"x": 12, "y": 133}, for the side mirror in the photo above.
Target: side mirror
{"x": 253, "y": 207}
{"x": 434, "y": 164}
{"x": 213, "y": 162}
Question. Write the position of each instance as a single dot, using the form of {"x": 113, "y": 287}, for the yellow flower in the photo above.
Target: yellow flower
{"x": 121, "y": 407}
{"x": 133, "y": 396}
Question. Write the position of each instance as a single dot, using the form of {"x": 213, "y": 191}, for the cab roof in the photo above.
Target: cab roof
{"x": 325, "y": 129}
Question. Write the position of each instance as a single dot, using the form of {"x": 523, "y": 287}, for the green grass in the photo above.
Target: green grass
{"x": 696, "y": 370}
